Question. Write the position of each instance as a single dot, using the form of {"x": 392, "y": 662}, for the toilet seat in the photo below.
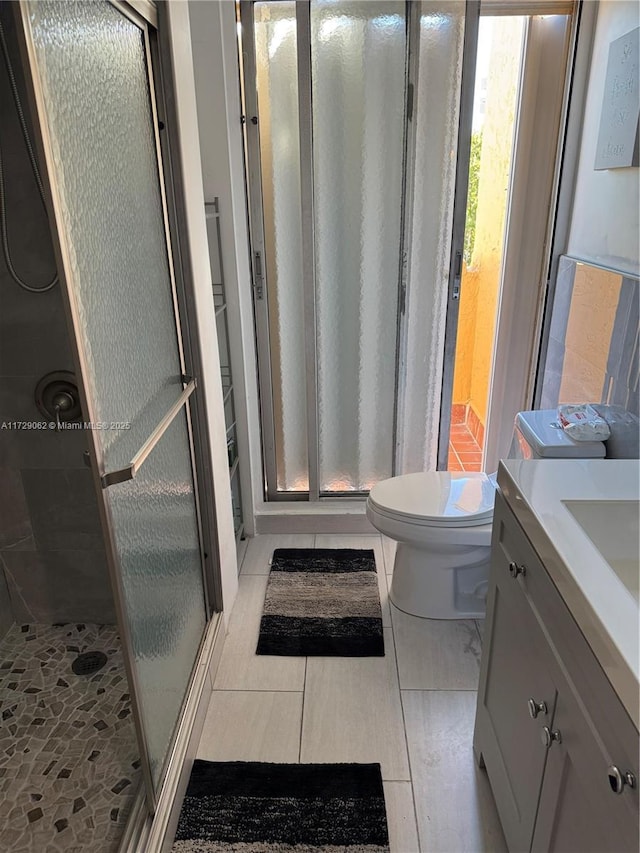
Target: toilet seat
{"x": 436, "y": 499}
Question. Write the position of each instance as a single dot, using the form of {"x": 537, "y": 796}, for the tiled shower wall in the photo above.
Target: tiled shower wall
{"x": 52, "y": 558}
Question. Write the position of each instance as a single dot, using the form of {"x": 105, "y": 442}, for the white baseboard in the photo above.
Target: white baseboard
{"x": 355, "y": 523}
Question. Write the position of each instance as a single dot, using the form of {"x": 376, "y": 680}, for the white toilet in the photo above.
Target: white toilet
{"x": 442, "y": 520}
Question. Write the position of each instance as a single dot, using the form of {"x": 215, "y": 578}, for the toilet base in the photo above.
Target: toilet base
{"x": 442, "y": 582}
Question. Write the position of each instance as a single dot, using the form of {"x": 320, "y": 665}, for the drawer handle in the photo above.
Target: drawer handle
{"x": 618, "y": 779}
{"x": 548, "y": 737}
{"x": 515, "y": 569}
{"x": 536, "y": 708}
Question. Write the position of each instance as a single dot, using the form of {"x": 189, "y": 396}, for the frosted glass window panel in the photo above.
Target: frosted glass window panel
{"x": 436, "y": 110}
{"x": 157, "y": 540}
{"x": 92, "y": 65}
{"x": 277, "y": 89}
{"x": 358, "y": 95}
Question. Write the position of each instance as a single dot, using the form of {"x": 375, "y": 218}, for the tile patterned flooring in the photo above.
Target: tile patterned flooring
{"x": 412, "y": 711}
{"x": 68, "y": 755}
{"x": 465, "y": 454}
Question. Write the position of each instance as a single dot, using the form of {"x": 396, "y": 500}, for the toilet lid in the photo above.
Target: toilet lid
{"x": 445, "y": 498}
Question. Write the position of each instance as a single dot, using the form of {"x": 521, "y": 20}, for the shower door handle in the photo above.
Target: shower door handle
{"x": 258, "y": 275}
{"x": 457, "y": 278}
{"x": 130, "y": 470}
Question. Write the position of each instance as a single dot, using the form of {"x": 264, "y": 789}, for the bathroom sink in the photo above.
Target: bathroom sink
{"x": 614, "y": 528}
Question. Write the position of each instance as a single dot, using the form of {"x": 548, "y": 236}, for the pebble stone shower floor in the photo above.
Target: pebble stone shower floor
{"x": 69, "y": 765}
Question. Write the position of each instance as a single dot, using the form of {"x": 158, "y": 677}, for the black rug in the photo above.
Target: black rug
{"x": 252, "y": 807}
{"x": 322, "y": 601}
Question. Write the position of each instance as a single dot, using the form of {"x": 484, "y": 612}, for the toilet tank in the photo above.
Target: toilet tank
{"x": 538, "y": 435}
{"x": 624, "y": 426}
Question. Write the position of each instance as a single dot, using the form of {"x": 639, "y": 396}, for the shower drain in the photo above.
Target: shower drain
{"x": 89, "y": 662}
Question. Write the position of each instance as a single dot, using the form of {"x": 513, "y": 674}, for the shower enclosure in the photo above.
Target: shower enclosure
{"x": 102, "y": 131}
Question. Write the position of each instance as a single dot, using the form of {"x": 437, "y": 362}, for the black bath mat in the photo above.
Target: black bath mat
{"x": 269, "y": 808}
{"x": 322, "y": 601}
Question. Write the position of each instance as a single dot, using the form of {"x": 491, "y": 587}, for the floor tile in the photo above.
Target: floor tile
{"x": 352, "y": 712}
{"x": 257, "y": 559}
{"x": 252, "y": 726}
{"x": 458, "y": 413}
{"x": 454, "y": 804}
{"x": 456, "y": 437}
{"x": 470, "y": 456}
{"x": 401, "y": 817}
{"x": 464, "y": 431}
{"x": 374, "y": 542}
{"x": 466, "y": 449}
{"x": 472, "y": 466}
{"x": 240, "y": 668}
{"x": 69, "y": 760}
{"x": 436, "y": 654}
{"x": 466, "y": 445}
{"x": 480, "y": 628}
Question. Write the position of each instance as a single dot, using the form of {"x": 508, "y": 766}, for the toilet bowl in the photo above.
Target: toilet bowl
{"x": 442, "y": 520}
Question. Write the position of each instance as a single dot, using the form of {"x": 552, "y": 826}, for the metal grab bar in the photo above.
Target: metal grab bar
{"x": 130, "y": 471}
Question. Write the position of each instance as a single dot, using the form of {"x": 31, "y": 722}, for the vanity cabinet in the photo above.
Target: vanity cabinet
{"x": 550, "y": 729}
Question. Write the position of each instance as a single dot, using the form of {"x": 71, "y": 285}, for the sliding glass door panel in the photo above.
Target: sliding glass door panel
{"x": 429, "y": 229}
{"x": 358, "y": 52}
{"x": 277, "y": 95}
{"x": 92, "y": 82}
{"x": 100, "y": 117}
{"x": 156, "y": 535}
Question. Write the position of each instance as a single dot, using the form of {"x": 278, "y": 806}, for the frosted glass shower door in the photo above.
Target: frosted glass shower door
{"x": 91, "y": 78}
{"x": 275, "y": 33}
{"x": 358, "y": 53}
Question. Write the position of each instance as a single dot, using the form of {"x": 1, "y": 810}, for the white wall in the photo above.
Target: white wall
{"x": 210, "y": 384}
{"x": 605, "y": 223}
{"x": 215, "y": 59}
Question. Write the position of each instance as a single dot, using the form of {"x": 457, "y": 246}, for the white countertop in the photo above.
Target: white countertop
{"x": 606, "y": 611}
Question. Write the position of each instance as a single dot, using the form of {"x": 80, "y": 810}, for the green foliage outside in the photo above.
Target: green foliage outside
{"x": 472, "y": 197}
